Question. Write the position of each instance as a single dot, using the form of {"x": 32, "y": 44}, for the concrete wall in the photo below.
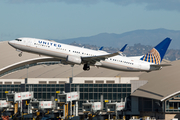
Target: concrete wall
{"x": 12, "y": 81}
{"x": 89, "y": 80}
{"x": 128, "y": 79}
{"x": 48, "y": 80}
{"x": 171, "y": 116}
{"x": 95, "y": 79}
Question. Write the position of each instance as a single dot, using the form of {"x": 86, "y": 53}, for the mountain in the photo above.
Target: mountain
{"x": 135, "y": 50}
{"x": 145, "y": 37}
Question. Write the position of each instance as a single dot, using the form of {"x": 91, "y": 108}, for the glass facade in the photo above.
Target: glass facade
{"x": 92, "y": 92}
{"x": 45, "y": 91}
{"x": 150, "y": 105}
{"x": 113, "y": 92}
{"x": 3, "y": 88}
{"x": 173, "y": 105}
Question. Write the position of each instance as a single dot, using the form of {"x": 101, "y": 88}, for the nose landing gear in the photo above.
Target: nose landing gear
{"x": 20, "y": 54}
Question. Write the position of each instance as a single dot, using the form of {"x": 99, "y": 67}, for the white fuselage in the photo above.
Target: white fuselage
{"x": 62, "y": 51}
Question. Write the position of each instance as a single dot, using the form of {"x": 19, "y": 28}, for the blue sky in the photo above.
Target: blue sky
{"x": 62, "y": 19}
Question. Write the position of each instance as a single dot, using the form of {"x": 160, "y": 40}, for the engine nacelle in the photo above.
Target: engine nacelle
{"x": 74, "y": 59}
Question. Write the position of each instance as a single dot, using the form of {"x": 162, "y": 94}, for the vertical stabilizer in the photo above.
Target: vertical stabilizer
{"x": 157, "y": 53}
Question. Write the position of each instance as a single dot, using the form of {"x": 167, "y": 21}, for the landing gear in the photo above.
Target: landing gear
{"x": 20, "y": 54}
{"x": 86, "y": 67}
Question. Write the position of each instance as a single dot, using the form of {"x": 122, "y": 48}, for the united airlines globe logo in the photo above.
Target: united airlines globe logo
{"x": 153, "y": 57}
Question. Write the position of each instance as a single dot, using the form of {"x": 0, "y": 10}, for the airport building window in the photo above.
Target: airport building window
{"x": 85, "y": 96}
{"x": 124, "y": 89}
{"x": 149, "y": 105}
{"x": 91, "y": 96}
{"x": 114, "y": 89}
{"x": 119, "y": 89}
{"x": 128, "y": 89}
{"x": 114, "y": 85}
{"x": 99, "y": 82}
{"x": 123, "y": 85}
{"x": 114, "y": 92}
{"x": 123, "y": 95}
{"x": 85, "y": 89}
{"x": 95, "y": 96}
{"x": 114, "y": 96}
{"x": 109, "y": 96}
{"x": 172, "y": 105}
{"x": 100, "y": 89}
{"x": 7, "y": 83}
{"x": 109, "y": 89}
{"x": 88, "y": 81}
{"x": 95, "y": 89}
{"x": 104, "y": 89}
{"x": 109, "y": 85}
{"x": 90, "y": 89}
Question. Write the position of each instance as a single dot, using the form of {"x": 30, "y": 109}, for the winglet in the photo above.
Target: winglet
{"x": 101, "y": 48}
{"x": 157, "y": 53}
{"x": 122, "y": 50}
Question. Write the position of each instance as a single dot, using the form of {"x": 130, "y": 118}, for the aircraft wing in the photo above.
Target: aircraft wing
{"x": 93, "y": 59}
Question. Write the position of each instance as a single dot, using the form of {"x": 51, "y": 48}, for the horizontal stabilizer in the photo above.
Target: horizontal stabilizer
{"x": 161, "y": 65}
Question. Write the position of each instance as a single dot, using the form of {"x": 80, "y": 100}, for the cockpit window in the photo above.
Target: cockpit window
{"x": 18, "y": 39}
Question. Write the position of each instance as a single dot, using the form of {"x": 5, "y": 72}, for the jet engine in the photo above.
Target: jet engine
{"x": 74, "y": 59}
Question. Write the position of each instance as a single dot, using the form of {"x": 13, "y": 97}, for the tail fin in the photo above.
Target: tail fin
{"x": 157, "y": 53}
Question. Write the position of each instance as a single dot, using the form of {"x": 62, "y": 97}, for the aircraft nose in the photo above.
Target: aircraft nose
{"x": 10, "y": 43}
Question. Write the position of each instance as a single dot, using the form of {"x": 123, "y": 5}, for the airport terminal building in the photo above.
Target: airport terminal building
{"x": 155, "y": 94}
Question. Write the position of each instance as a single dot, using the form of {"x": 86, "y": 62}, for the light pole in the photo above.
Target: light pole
{"x": 27, "y": 66}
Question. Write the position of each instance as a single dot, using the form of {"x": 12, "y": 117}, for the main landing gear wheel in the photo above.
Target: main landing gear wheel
{"x": 20, "y": 54}
{"x": 86, "y": 67}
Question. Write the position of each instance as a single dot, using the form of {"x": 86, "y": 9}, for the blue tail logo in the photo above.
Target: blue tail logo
{"x": 157, "y": 53}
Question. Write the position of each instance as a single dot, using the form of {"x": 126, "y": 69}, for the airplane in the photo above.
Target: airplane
{"x": 69, "y": 54}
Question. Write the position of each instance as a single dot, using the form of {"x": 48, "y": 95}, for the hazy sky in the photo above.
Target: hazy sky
{"x": 62, "y": 19}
